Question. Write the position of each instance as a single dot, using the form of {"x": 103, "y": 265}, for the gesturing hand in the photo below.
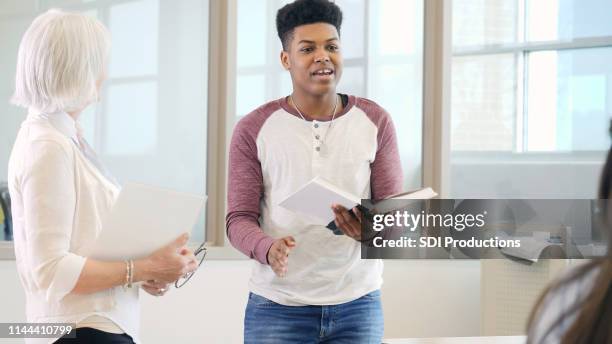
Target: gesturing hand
{"x": 278, "y": 255}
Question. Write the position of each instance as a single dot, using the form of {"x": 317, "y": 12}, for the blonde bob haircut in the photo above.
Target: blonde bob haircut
{"x": 62, "y": 57}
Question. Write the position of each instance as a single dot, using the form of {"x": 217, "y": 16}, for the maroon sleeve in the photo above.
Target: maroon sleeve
{"x": 245, "y": 188}
{"x": 386, "y": 178}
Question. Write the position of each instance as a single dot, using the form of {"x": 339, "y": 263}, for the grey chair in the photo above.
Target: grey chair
{"x": 5, "y": 203}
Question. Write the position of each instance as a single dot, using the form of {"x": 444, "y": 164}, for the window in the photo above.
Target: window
{"x": 150, "y": 125}
{"x": 531, "y": 97}
{"x": 153, "y": 109}
{"x": 531, "y": 75}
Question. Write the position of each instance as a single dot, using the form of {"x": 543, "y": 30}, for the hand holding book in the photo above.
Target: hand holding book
{"x": 314, "y": 199}
{"x": 347, "y": 222}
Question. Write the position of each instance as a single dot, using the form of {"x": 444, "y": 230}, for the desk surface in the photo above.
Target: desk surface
{"x": 459, "y": 340}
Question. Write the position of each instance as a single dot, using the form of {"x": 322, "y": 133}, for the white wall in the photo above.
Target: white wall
{"x": 420, "y": 299}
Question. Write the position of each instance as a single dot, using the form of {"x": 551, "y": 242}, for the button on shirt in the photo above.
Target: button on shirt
{"x": 58, "y": 198}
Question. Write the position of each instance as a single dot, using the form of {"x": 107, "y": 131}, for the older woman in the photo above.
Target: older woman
{"x": 60, "y": 191}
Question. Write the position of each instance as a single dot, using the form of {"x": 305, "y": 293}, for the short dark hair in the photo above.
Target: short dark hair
{"x": 302, "y": 12}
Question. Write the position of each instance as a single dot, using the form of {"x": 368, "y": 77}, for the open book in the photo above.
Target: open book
{"x": 314, "y": 200}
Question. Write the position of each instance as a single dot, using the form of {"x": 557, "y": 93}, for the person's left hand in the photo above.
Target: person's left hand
{"x": 348, "y": 224}
{"x": 155, "y": 288}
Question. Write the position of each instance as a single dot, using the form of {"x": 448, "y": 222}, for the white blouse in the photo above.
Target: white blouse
{"x": 58, "y": 200}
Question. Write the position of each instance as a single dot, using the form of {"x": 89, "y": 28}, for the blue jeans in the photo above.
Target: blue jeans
{"x": 356, "y": 322}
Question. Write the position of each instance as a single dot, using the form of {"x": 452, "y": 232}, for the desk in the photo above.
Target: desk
{"x": 459, "y": 340}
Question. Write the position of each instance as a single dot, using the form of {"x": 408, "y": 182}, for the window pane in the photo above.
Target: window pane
{"x": 134, "y": 30}
{"x": 64, "y": 3}
{"x": 181, "y": 74}
{"x": 396, "y": 27}
{"x": 131, "y": 120}
{"x": 92, "y": 13}
{"x": 352, "y": 17}
{"x": 483, "y": 103}
{"x": 398, "y": 89}
{"x": 250, "y": 90}
{"x": 569, "y": 100}
{"x": 567, "y": 19}
{"x": 395, "y": 78}
{"x": 16, "y": 7}
{"x": 352, "y": 81}
{"x": 286, "y": 84}
{"x": 484, "y": 22}
{"x": 253, "y": 24}
{"x": 88, "y": 120}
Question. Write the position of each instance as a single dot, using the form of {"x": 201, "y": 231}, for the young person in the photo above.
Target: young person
{"x": 309, "y": 285}
{"x": 578, "y": 308}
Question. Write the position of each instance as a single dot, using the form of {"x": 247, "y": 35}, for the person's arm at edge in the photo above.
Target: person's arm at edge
{"x": 100, "y": 275}
{"x": 162, "y": 265}
{"x": 244, "y": 192}
{"x": 386, "y": 177}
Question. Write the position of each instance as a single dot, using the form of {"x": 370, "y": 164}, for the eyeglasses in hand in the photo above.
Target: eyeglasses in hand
{"x": 199, "y": 254}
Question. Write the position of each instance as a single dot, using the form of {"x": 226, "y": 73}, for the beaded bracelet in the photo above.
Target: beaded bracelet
{"x": 130, "y": 274}
{"x": 127, "y": 274}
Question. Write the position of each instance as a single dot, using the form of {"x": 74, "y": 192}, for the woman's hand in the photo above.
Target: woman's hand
{"x": 156, "y": 288}
{"x": 167, "y": 264}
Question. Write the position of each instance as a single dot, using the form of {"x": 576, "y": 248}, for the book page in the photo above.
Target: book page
{"x": 424, "y": 193}
{"x": 314, "y": 201}
{"x": 403, "y": 200}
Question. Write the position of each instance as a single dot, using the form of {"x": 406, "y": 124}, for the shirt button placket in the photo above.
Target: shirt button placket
{"x": 316, "y": 145}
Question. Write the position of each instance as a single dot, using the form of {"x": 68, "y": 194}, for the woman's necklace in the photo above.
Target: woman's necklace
{"x": 321, "y": 147}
